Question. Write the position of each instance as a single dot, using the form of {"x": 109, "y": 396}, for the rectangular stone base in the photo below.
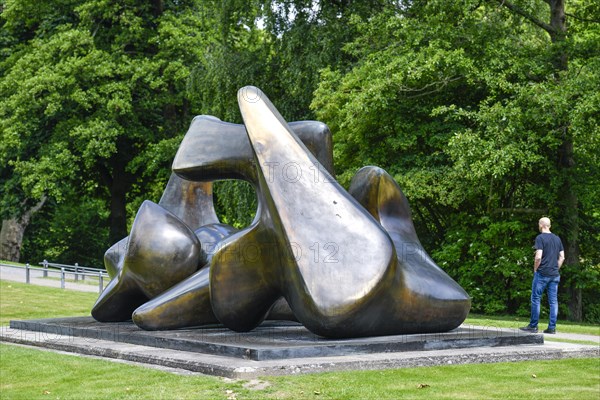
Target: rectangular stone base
{"x": 273, "y": 340}
{"x": 282, "y": 348}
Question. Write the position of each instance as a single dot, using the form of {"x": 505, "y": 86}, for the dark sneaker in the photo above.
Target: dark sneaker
{"x": 530, "y": 329}
{"x": 551, "y": 331}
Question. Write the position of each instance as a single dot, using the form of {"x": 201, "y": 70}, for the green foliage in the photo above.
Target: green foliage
{"x": 277, "y": 46}
{"x": 467, "y": 104}
{"x": 235, "y": 202}
{"x": 492, "y": 260}
{"x": 87, "y": 91}
{"x": 69, "y": 232}
{"x": 474, "y": 120}
{"x": 585, "y": 276}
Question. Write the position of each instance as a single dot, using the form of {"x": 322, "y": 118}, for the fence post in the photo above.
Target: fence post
{"x": 62, "y": 277}
{"x": 45, "y": 264}
{"x": 76, "y": 271}
{"x": 100, "y": 283}
{"x": 83, "y": 272}
{"x": 27, "y": 273}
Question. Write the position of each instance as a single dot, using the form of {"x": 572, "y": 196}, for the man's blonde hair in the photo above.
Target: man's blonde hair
{"x": 545, "y": 221}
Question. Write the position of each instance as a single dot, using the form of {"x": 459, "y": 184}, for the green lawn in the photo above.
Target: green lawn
{"x": 22, "y": 301}
{"x": 11, "y": 263}
{"x": 27, "y": 373}
{"x": 59, "y": 376}
{"x": 89, "y": 280}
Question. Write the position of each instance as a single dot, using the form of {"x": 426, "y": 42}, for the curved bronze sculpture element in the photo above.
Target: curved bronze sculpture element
{"x": 213, "y": 149}
{"x": 349, "y": 264}
{"x": 301, "y": 215}
{"x": 187, "y": 303}
{"x": 189, "y": 201}
{"x": 427, "y": 299}
{"x": 192, "y": 202}
{"x": 113, "y": 257}
{"x": 167, "y": 244}
{"x": 366, "y": 289}
{"x": 226, "y": 153}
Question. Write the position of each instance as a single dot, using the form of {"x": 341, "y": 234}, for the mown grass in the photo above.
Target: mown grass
{"x": 34, "y": 374}
{"x": 90, "y": 280}
{"x": 11, "y": 263}
{"x": 22, "y": 301}
{"x": 550, "y": 338}
{"x": 27, "y": 373}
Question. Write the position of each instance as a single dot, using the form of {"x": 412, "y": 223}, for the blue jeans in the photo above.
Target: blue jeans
{"x": 540, "y": 283}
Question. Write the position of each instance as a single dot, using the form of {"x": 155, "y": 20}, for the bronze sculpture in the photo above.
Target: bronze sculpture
{"x": 226, "y": 154}
{"x": 348, "y": 263}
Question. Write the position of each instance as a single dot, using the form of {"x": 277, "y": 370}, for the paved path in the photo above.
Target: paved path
{"x": 574, "y": 336}
{"x": 561, "y": 336}
{"x": 36, "y": 277}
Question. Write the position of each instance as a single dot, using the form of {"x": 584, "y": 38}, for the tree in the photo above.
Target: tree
{"x": 13, "y": 230}
{"x": 17, "y": 207}
{"x": 279, "y": 46}
{"x": 477, "y": 124}
{"x": 560, "y": 81}
{"x": 88, "y": 90}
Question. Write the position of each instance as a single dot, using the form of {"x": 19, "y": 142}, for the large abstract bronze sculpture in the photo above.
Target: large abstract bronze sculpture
{"x": 342, "y": 263}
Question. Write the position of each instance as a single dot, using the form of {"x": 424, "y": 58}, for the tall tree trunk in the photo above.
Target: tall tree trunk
{"x": 118, "y": 181}
{"x": 119, "y": 186}
{"x": 568, "y": 202}
{"x": 569, "y": 223}
{"x": 118, "y": 213}
{"x": 13, "y": 230}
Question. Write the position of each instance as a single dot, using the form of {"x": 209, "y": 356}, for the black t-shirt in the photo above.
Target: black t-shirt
{"x": 551, "y": 246}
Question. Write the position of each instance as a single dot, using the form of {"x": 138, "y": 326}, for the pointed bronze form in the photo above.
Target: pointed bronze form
{"x": 113, "y": 257}
{"x": 424, "y": 297}
{"x": 318, "y": 247}
{"x": 191, "y": 202}
{"x": 213, "y": 149}
{"x": 372, "y": 285}
{"x": 161, "y": 252}
{"x": 187, "y": 304}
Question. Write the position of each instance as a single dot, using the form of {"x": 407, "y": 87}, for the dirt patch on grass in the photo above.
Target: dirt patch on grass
{"x": 256, "y": 384}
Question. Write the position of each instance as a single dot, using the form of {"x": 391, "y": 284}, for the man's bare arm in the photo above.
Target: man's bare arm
{"x": 561, "y": 259}
{"x": 537, "y": 260}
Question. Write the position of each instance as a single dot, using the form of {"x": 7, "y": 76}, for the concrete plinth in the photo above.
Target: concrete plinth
{"x": 277, "y": 348}
{"x": 273, "y": 340}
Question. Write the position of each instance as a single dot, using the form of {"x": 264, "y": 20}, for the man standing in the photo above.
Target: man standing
{"x": 549, "y": 257}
